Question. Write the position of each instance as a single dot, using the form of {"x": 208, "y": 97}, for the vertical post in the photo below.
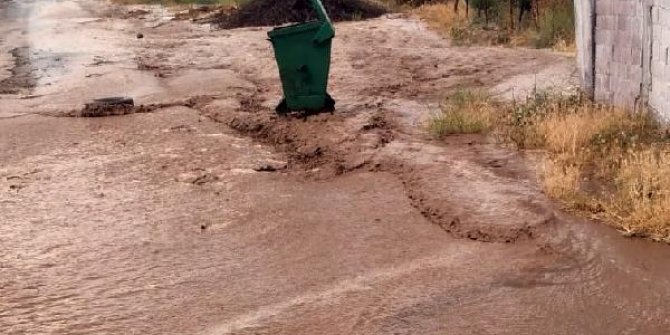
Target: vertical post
{"x": 511, "y": 14}
{"x": 585, "y": 21}
{"x": 320, "y": 11}
{"x": 647, "y": 51}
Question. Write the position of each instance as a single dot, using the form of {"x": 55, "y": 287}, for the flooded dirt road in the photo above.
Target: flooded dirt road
{"x": 209, "y": 215}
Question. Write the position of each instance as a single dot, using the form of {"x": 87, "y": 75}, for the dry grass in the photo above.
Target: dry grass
{"x": 571, "y": 133}
{"x": 441, "y": 17}
{"x": 561, "y": 179}
{"x": 624, "y": 154}
{"x": 459, "y": 28}
{"x": 643, "y": 193}
{"x": 600, "y": 161}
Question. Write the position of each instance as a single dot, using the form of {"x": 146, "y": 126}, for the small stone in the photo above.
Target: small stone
{"x": 356, "y": 163}
{"x": 188, "y": 177}
{"x": 140, "y": 35}
{"x": 312, "y": 151}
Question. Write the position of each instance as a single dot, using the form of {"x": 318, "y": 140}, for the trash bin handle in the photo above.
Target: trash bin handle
{"x": 320, "y": 11}
{"x": 325, "y": 33}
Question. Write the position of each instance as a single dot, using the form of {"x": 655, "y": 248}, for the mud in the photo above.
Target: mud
{"x": 272, "y": 13}
{"x": 325, "y": 147}
{"x": 210, "y": 214}
{"x": 318, "y": 144}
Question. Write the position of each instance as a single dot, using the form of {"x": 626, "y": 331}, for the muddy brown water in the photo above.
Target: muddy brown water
{"x": 160, "y": 223}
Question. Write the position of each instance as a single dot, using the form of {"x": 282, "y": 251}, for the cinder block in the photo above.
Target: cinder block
{"x": 605, "y": 22}
{"x": 636, "y": 61}
{"x": 603, "y": 96}
{"x": 604, "y": 7}
{"x": 635, "y": 74}
{"x": 622, "y": 23}
{"x": 604, "y": 82}
{"x": 663, "y": 16}
{"x": 604, "y": 52}
{"x": 604, "y": 37}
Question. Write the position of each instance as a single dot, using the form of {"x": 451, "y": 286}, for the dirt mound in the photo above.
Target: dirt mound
{"x": 272, "y": 12}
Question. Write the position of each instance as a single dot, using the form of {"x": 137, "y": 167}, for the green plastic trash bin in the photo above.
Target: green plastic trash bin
{"x": 303, "y": 58}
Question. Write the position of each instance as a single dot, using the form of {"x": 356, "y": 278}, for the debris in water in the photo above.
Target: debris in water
{"x": 108, "y": 107}
{"x": 270, "y": 167}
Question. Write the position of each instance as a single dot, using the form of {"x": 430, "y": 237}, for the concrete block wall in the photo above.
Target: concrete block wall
{"x": 618, "y": 52}
{"x": 624, "y": 52}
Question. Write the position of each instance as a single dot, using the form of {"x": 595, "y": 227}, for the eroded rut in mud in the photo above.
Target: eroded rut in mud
{"x": 326, "y": 146}
{"x": 321, "y": 147}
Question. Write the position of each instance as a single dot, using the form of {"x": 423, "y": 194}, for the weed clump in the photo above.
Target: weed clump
{"x": 464, "y": 112}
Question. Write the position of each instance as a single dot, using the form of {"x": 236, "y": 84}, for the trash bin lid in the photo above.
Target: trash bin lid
{"x": 325, "y": 32}
{"x": 295, "y": 28}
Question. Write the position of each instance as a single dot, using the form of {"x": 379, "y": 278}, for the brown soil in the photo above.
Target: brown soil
{"x": 273, "y": 13}
{"x": 311, "y": 142}
{"x": 324, "y": 146}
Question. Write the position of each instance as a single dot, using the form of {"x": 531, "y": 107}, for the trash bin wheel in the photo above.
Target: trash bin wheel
{"x": 330, "y": 104}
{"x": 282, "y": 108}
{"x": 329, "y": 107}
